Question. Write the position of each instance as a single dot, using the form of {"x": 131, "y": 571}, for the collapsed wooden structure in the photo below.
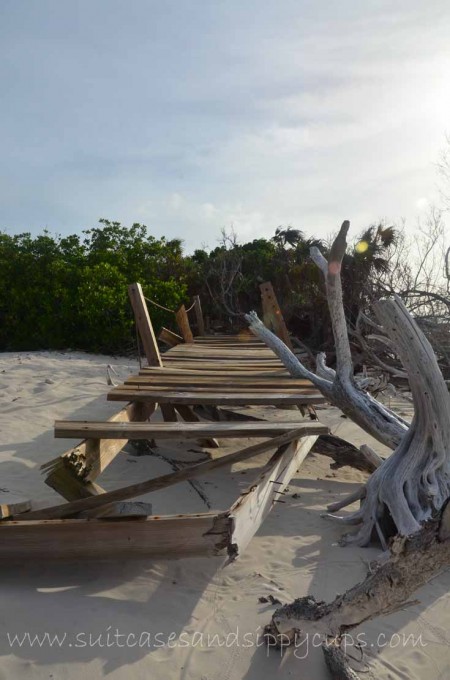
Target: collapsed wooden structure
{"x": 210, "y": 374}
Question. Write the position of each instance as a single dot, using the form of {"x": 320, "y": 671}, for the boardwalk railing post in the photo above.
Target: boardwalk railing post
{"x": 183, "y": 324}
{"x": 199, "y": 315}
{"x": 272, "y": 315}
{"x": 144, "y": 325}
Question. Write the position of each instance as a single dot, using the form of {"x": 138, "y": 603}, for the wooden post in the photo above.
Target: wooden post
{"x": 183, "y": 324}
{"x": 199, "y": 315}
{"x": 273, "y": 318}
{"x": 144, "y": 325}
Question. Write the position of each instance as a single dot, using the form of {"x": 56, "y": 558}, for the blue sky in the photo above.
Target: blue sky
{"x": 195, "y": 115}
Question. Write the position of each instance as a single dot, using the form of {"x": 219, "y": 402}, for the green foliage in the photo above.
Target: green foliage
{"x": 61, "y": 292}
{"x": 72, "y": 292}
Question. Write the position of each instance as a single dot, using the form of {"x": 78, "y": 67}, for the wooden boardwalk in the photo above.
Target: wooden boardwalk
{"x": 209, "y": 375}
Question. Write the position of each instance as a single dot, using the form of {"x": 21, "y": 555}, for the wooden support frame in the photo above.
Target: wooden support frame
{"x": 155, "y": 484}
{"x": 88, "y": 526}
{"x": 272, "y": 315}
{"x": 204, "y": 534}
{"x": 144, "y": 324}
{"x": 183, "y": 324}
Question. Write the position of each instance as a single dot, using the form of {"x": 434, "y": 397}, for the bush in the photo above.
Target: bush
{"x": 58, "y": 292}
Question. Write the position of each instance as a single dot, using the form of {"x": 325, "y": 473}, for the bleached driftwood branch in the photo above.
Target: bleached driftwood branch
{"x": 340, "y": 386}
{"x": 414, "y": 481}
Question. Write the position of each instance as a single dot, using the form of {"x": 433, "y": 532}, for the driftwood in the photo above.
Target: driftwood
{"x": 414, "y": 482}
{"x": 344, "y": 453}
{"x": 413, "y": 562}
{"x": 339, "y": 386}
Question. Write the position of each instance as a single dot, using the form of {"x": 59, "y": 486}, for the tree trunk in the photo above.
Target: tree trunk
{"x": 414, "y": 481}
{"x": 339, "y": 386}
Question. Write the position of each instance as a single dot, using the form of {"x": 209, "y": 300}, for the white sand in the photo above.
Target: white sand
{"x": 294, "y": 554}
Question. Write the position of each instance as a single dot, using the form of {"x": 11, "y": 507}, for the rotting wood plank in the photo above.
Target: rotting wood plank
{"x": 221, "y": 379}
{"x": 226, "y": 369}
{"x": 214, "y": 373}
{"x": 251, "y": 508}
{"x": 188, "y": 430}
{"x": 209, "y": 358}
{"x": 156, "y": 536}
{"x": 240, "y": 398}
{"x": 183, "y": 350}
{"x": 225, "y": 389}
{"x": 219, "y": 382}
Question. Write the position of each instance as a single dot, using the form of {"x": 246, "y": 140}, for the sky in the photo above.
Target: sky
{"x": 194, "y": 115}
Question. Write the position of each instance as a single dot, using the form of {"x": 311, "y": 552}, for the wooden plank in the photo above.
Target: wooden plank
{"x": 217, "y": 372}
{"x": 183, "y": 324}
{"x": 230, "y": 367}
{"x": 251, "y": 358}
{"x": 273, "y": 317}
{"x": 194, "y": 471}
{"x": 199, "y": 315}
{"x": 124, "y": 393}
{"x": 169, "y": 337}
{"x": 144, "y": 324}
{"x": 248, "y": 381}
{"x": 188, "y": 430}
{"x": 255, "y": 503}
{"x": 234, "y": 388}
{"x": 156, "y": 537}
{"x": 223, "y": 377}
{"x": 182, "y": 350}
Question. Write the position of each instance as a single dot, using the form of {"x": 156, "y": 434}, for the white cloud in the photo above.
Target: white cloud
{"x": 264, "y": 114}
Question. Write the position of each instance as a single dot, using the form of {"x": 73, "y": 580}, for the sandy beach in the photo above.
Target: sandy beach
{"x": 192, "y": 618}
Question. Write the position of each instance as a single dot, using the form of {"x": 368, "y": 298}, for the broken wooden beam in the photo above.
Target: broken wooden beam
{"x": 250, "y": 510}
{"x": 177, "y": 430}
{"x": 162, "y": 537}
